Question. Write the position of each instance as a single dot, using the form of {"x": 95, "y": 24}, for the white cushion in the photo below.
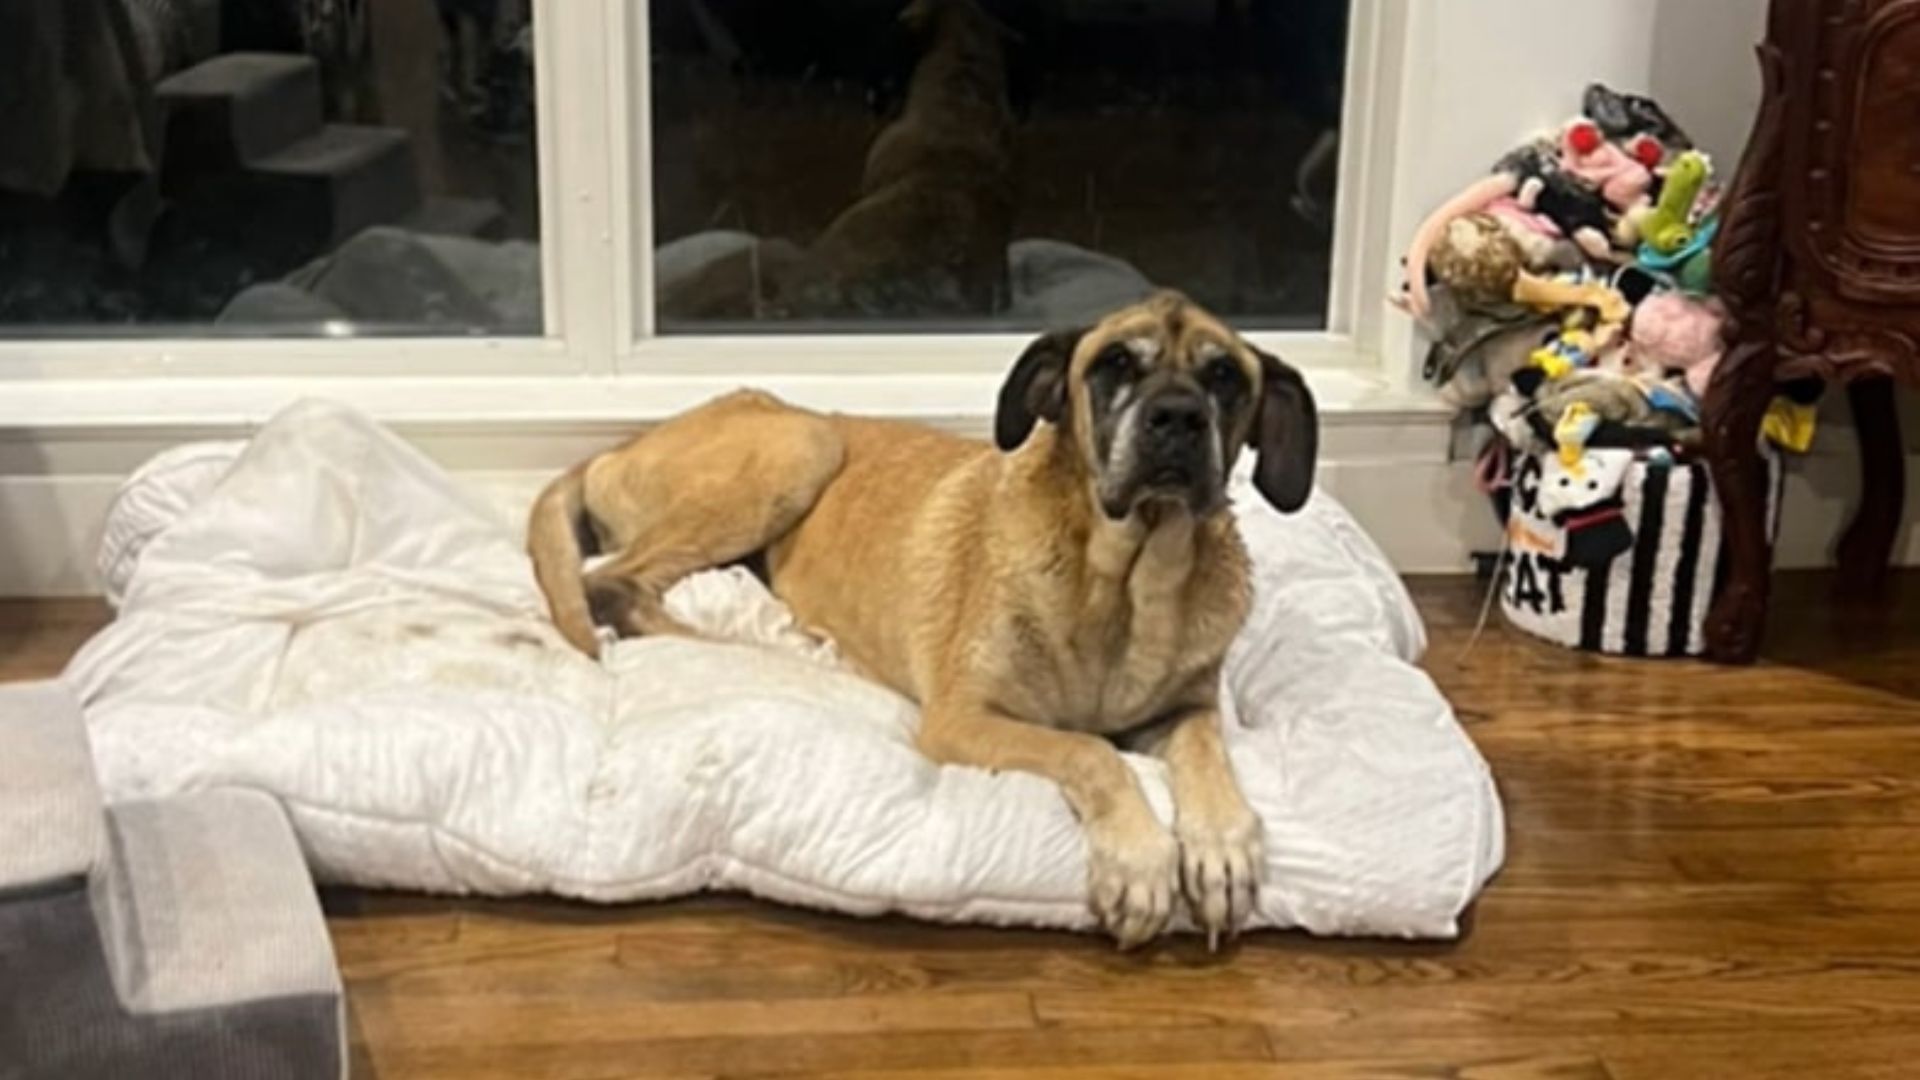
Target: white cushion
{"x": 333, "y": 620}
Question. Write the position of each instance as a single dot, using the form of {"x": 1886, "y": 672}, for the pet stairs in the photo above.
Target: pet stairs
{"x": 177, "y": 937}
{"x": 247, "y": 144}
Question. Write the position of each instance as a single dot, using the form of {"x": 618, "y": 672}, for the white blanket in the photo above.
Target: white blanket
{"x": 328, "y": 617}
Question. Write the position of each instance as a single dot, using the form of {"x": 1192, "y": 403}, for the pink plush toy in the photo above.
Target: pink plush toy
{"x": 1621, "y": 178}
{"x": 1672, "y": 330}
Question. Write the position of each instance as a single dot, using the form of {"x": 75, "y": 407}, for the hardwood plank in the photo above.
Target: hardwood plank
{"x": 686, "y": 970}
{"x": 558, "y": 1011}
{"x": 38, "y": 637}
{"x": 1589, "y": 1005}
{"x": 1617, "y": 853}
{"x": 1747, "y": 1055}
{"x": 964, "y": 1053}
{"x": 1556, "y": 1067}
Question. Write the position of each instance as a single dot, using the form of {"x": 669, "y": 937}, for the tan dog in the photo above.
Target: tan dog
{"x": 1080, "y": 584}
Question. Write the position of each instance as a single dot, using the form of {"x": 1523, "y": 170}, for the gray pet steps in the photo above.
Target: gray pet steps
{"x": 176, "y": 937}
{"x": 51, "y": 826}
{"x": 238, "y": 108}
{"x": 248, "y": 147}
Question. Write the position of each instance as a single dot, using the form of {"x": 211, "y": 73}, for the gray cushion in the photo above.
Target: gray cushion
{"x": 50, "y": 822}
{"x": 174, "y": 937}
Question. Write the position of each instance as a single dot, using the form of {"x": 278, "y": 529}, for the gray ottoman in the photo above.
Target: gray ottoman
{"x": 174, "y": 938}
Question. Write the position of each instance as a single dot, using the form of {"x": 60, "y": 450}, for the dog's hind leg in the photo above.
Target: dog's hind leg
{"x": 630, "y": 593}
{"x": 703, "y": 490}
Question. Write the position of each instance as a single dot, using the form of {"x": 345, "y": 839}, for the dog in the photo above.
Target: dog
{"x": 1077, "y": 583}
{"x": 929, "y": 231}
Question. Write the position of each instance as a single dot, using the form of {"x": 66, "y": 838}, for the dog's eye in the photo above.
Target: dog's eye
{"x": 1223, "y": 378}
{"x": 1113, "y": 361}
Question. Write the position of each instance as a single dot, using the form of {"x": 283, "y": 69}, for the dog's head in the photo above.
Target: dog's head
{"x": 1157, "y": 400}
{"x": 924, "y": 18}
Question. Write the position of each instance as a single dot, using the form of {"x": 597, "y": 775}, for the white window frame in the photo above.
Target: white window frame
{"x": 600, "y": 361}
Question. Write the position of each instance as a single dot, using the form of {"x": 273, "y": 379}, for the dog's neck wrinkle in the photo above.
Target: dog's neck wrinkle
{"x": 1123, "y": 565}
{"x": 1120, "y": 589}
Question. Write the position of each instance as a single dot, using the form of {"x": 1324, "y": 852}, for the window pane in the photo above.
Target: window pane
{"x": 991, "y": 164}
{"x": 267, "y": 167}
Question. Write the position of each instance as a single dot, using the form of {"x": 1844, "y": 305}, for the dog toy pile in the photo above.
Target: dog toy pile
{"x": 1568, "y": 299}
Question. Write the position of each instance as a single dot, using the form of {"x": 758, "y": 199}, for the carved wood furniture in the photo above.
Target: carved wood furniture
{"x": 1818, "y": 261}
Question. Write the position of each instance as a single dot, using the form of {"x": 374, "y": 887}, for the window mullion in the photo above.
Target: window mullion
{"x": 580, "y": 196}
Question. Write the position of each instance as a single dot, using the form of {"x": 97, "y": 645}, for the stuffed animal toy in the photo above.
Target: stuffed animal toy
{"x": 1582, "y": 495}
{"x": 1611, "y": 397}
{"x": 1479, "y": 260}
{"x": 1594, "y": 319}
{"x": 1624, "y": 179}
{"x": 1622, "y": 117}
{"x": 1793, "y": 415}
{"x": 1572, "y": 431}
{"x": 1475, "y": 353}
{"x": 1672, "y": 331}
{"x": 1489, "y": 367}
{"x": 1527, "y": 186}
{"x": 1584, "y": 187}
{"x": 1566, "y": 293}
{"x": 1544, "y": 182}
{"x": 1566, "y": 352}
{"x": 1675, "y": 409}
{"x": 1668, "y": 226}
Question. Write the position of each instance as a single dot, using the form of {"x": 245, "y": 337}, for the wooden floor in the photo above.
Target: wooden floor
{"x": 1713, "y": 873}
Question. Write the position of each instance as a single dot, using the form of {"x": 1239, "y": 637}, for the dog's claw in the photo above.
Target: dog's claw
{"x": 1132, "y": 880}
{"x": 1220, "y": 873}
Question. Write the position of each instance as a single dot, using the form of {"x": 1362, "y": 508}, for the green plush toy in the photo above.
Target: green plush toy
{"x": 1669, "y": 228}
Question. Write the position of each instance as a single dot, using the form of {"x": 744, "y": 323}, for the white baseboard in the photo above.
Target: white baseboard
{"x": 1393, "y": 476}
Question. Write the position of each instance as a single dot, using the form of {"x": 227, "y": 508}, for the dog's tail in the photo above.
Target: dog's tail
{"x": 553, "y": 539}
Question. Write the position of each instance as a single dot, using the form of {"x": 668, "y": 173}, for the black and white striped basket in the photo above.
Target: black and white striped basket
{"x": 1649, "y": 599}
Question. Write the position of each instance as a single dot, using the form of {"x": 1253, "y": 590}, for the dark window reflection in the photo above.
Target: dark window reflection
{"x": 280, "y": 167}
{"x": 979, "y": 164}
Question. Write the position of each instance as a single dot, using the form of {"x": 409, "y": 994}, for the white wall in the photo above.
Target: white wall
{"x": 1705, "y": 72}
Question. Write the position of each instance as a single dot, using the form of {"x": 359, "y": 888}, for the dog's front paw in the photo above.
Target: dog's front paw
{"x": 1221, "y": 856}
{"x": 1132, "y": 877}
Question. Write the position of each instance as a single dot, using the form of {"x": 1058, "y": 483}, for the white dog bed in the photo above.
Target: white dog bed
{"x": 324, "y": 615}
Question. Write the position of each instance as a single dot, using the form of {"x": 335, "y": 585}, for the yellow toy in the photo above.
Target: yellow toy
{"x": 1790, "y": 425}
{"x": 1560, "y": 294}
{"x": 1576, "y": 426}
{"x": 1569, "y": 350}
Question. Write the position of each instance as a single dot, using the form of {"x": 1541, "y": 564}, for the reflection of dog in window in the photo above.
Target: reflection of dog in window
{"x": 929, "y": 233}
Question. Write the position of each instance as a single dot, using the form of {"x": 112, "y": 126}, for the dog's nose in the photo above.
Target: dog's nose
{"x": 1176, "y": 418}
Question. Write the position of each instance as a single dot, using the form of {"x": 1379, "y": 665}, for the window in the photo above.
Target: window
{"x": 268, "y": 168}
{"x": 968, "y": 165}
{"x": 681, "y": 205}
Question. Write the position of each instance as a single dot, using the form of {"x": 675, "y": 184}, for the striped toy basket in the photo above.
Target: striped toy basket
{"x": 1617, "y": 553}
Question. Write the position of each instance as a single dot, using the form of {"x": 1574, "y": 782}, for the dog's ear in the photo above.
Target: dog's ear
{"x": 1036, "y": 389}
{"x": 1286, "y": 434}
{"x": 917, "y": 16}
